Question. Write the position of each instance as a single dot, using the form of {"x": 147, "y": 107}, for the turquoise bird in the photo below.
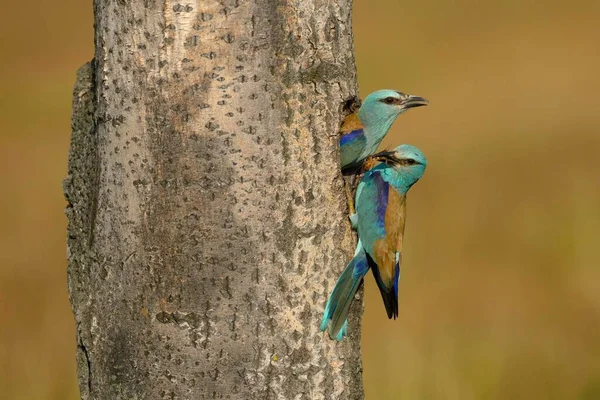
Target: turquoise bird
{"x": 379, "y": 221}
{"x": 363, "y": 130}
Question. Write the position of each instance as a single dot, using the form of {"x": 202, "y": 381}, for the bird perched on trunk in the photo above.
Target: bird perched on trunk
{"x": 363, "y": 130}
{"x": 379, "y": 220}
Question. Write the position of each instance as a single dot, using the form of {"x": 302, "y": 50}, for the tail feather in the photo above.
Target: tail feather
{"x": 389, "y": 293}
{"x": 340, "y": 300}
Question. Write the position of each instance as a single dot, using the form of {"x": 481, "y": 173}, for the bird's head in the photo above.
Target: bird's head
{"x": 407, "y": 160}
{"x": 382, "y": 107}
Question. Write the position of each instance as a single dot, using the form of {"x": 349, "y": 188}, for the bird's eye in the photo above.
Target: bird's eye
{"x": 389, "y": 100}
{"x": 410, "y": 161}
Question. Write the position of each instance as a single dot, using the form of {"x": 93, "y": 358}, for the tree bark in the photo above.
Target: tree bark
{"x": 207, "y": 222}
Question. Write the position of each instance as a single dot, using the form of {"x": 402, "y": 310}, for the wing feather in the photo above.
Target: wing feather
{"x": 352, "y": 141}
{"x": 381, "y": 212}
{"x": 351, "y": 123}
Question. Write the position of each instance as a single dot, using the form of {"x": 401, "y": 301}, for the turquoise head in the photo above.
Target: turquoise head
{"x": 405, "y": 165}
{"x": 381, "y": 108}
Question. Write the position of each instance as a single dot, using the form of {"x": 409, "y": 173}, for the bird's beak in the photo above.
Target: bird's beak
{"x": 387, "y": 156}
{"x": 414, "y": 101}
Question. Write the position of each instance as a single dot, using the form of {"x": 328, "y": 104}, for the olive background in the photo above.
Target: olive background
{"x": 500, "y": 288}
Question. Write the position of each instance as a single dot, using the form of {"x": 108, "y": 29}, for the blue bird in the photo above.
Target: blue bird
{"x": 363, "y": 130}
{"x": 379, "y": 220}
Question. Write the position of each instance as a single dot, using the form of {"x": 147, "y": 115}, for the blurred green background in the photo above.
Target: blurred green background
{"x": 500, "y": 291}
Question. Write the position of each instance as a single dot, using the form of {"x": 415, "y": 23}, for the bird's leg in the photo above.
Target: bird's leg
{"x": 349, "y": 185}
{"x": 349, "y": 197}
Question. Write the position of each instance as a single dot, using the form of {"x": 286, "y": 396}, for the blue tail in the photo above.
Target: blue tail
{"x": 338, "y": 305}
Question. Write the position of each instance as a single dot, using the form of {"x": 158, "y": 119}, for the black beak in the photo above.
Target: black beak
{"x": 414, "y": 101}
{"x": 386, "y": 156}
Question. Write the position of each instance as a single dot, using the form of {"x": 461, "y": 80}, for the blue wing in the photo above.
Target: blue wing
{"x": 380, "y": 217}
{"x": 352, "y": 146}
{"x": 371, "y": 204}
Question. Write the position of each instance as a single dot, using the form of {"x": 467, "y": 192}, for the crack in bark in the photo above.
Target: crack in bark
{"x": 84, "y": 349}
{"x": 95, "y": 184}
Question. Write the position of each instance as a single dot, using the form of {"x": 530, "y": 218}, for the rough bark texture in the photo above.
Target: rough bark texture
{"x": 207, "y": 221}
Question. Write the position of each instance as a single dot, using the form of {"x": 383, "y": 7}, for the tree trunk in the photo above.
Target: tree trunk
{"x": 207, "y": 222}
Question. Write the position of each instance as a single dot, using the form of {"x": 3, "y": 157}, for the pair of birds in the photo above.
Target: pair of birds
{"x": 379, "y": 209}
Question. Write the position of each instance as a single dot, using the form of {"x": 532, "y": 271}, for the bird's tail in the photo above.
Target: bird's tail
{"x": 388, "y": 290}
{"x": 338, "y": 305}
